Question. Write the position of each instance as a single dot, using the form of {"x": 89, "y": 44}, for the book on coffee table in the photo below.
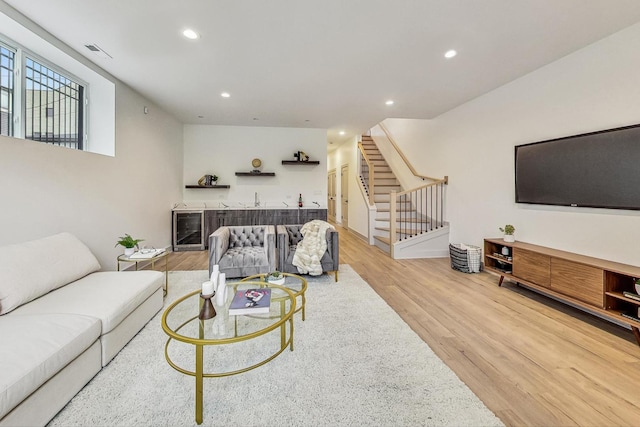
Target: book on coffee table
{"x": 250, "y": 301}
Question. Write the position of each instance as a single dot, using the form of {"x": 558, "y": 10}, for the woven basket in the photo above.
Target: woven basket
{"x": 465, "y": 258}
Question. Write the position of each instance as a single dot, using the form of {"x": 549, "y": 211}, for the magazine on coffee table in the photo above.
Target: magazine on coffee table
{"x": 250, "y": 301}
{"x": 146, "y": 253}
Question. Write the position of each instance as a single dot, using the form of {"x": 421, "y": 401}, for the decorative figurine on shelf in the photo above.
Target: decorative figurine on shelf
{"x": 301, "y": 156}
{"x": 256, "y": 163}
{"x": 208, "y": 180}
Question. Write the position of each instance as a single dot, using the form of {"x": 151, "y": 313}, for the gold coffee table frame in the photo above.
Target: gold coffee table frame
{"x": 153, "y": 259}
{"x": 199, "y": 342}
{"x": 297, "y": 293}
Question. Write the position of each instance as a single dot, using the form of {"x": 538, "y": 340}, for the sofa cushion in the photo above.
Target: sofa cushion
{"x": 247, "y": 256}
{"x": 108, "y": 295}
{"x": 60, "y": 259}
{"x": 246, "y": 236}
{"x": 36, "y": 347}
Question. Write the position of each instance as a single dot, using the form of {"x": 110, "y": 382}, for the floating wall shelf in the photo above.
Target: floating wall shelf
{"x": 295, "y": 162}
{"x": 255, "y": 174}
{"x": 207, "y": 186}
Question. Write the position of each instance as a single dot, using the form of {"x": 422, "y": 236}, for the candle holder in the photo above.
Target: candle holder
{"x": 207, "y": 311}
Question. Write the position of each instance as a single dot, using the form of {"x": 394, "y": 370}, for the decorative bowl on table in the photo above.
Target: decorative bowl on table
{"x": 276, "y": 278}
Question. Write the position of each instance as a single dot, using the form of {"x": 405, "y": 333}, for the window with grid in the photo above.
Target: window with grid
{"x": 53, "y": 106}
{"x": 7, "y": 63}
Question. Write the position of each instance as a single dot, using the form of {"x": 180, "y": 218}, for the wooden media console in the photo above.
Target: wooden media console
{"x": 592, "y": 284}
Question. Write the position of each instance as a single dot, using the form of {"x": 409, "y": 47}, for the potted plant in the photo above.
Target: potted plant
{"x": 508, "y": 231}
{"x": 129, "y": 243}
{"x": 276, "y": 277}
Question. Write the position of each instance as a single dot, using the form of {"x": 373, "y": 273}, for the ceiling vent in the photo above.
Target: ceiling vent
{"x": 98, "y": 51}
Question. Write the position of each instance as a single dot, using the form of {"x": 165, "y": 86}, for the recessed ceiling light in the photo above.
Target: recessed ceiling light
{"x": 190, "y": 34}
{"x": 450, "y": 53}
{"x": 225, "y": 94}
{"x": 341, "y": 132}
{"x": 389, "y": 102}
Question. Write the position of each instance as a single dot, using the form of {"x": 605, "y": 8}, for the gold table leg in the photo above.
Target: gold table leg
{"x": 199, "y": 393}
{"x": 166, "y": 275}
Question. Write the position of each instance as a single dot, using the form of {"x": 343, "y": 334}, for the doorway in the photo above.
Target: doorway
{"x": 331, "y": 195}
{"x": 344, "y": 195}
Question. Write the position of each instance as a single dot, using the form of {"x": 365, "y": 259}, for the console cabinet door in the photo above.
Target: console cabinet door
{"x": 532, "y": 266}
{"x": 579, "y": 281}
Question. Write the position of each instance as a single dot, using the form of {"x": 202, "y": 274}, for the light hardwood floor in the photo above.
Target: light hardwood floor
{"x": 531, "y": 360}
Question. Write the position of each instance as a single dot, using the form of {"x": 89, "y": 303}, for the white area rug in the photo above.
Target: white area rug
{"x": 355, "y": 363}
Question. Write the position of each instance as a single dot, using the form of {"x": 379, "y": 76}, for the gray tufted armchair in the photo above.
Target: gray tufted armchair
{"x": 242, "y": 251}
{"x": 288, "y": 238}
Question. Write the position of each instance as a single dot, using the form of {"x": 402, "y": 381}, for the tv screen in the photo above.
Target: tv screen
{"x": 599, "y": 169}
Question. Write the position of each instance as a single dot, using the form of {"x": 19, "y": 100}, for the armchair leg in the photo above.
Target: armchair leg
{"x": 336, "y": 273}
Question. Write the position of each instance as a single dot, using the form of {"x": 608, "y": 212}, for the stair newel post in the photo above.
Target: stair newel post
{"x": 392, "y": 221}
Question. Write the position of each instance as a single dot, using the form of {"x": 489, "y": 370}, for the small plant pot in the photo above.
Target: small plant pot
{"x": 129, "y": 251}
{"x": 279, "y": 281}
{"x": 509, "y": 238}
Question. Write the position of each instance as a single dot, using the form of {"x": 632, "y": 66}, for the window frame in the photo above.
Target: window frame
{"x": 10, "y": 95}
{"x": 19, "y": 124}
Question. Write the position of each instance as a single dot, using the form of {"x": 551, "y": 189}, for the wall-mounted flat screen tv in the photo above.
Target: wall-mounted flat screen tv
{"x": 599, "y": 169}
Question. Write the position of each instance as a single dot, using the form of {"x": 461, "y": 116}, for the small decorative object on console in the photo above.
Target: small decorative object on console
{"x": 250, "y": 301}
{"x": 508, "y": 231}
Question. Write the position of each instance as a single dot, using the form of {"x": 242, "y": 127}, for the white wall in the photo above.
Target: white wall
{"x": 593, "y": 89}
{"x": 100, "y": 90}
{"x": 46, "y": 189}
{"x": 225, "y": 150}
{"x": 347, "y": 154}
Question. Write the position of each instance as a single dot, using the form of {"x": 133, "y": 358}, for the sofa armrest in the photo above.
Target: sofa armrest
{"x": 270, "y": 246}
{"x": 333, "y": 246}
{"x": 218, "y": 245}
{"x": 282, "y": 244}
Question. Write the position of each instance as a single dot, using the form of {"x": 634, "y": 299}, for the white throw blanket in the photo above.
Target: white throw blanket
{"x": 311, "y": 248}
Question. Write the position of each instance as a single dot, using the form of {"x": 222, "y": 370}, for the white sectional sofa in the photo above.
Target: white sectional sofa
{"x": 61, "y": 321}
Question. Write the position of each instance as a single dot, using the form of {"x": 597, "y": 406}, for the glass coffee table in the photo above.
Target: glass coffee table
{"x": 227, "y": 345}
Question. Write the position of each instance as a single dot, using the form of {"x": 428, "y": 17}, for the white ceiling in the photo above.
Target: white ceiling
{"x": 324, "y": 63}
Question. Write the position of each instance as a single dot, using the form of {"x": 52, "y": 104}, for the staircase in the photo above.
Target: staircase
{"x": 384, "y": 183}
{"x": 418, "y": 229}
